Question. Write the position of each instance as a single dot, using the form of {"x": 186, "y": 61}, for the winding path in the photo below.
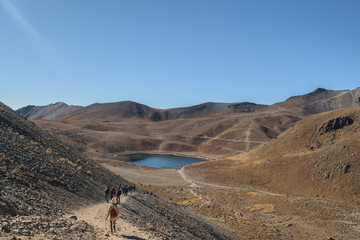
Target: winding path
{"x": 194, "y": 185}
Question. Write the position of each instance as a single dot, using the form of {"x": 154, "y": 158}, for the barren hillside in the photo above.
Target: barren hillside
{"x": 318, "y": 157}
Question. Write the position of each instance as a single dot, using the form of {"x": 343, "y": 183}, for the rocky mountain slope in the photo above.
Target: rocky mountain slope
{"x": 35, "y": 164}
{"x": 318, "y": 157}
{"x": 41, "y": 178}
{"x": 322, "y": 100}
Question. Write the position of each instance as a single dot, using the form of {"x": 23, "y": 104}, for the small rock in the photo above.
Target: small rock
{"x": 346, "y": 168}
{"x": 73, "y": 217}
{"x": 6, "y": 228}
{"x": 26, "y": 222}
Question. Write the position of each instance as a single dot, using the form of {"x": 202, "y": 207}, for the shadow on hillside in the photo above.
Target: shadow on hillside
{"x": 132, "y": 237}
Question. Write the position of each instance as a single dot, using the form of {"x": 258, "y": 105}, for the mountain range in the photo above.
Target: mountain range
{"x": 320, "y": 100}
{"x": 211, "y": 129}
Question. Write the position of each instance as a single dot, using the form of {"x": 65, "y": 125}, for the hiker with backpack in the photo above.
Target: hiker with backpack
{"x": 113, "y": 213}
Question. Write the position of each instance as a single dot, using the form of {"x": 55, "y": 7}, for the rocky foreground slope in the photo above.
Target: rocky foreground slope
{"x": 42, "y": 178}
{"x": 39, "y": 173}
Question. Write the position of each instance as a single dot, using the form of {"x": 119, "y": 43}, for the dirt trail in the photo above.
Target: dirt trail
{"x": 194, "y": 184}
{"x": 95, "y": 216}
{"x": 192, "y": 188}
{"x": 248, "y": 132}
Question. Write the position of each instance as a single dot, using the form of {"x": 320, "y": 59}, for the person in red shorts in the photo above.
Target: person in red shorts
{"x": 113, "y": 213}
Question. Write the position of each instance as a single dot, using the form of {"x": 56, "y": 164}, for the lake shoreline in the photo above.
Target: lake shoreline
{"x": 157, "y": 160}
{"x": 114, "y": 156}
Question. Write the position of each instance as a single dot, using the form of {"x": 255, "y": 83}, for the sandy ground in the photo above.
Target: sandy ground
{"x": 250, "y": 212}
{"x": 95, "y": 215}
{"x": 155, "y": 176}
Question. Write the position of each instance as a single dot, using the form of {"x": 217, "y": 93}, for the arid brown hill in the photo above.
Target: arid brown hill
{"x": 210, "y": 129}
{"x": 318, "y": 157}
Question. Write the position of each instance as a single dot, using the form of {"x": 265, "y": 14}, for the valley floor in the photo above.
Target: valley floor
{"x": 251, "y": 213}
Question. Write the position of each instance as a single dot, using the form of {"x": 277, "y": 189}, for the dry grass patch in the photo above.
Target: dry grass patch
{"x": 267, "y": 208}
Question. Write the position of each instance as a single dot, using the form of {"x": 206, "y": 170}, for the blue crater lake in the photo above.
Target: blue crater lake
{"x": 162, "y": 161}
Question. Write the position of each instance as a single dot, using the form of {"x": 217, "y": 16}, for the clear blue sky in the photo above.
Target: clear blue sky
{"x": 172, "y": 53}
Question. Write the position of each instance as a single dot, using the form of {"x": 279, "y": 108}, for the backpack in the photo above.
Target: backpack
{"x": 113, "y": 213}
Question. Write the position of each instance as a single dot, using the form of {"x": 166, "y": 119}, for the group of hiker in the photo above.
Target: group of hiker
{"x": 114, "y": 195}
{"x": 122, "y": 189}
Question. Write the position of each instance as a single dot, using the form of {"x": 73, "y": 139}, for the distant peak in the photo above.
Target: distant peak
{"x": 318, "y": 90}
{"x": 59, "y": 104}
{"x": 243, "y": 104}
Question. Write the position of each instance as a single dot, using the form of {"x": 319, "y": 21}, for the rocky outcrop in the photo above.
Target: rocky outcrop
{"x": 335, "y": 124}
{"x": 246, "y": 107}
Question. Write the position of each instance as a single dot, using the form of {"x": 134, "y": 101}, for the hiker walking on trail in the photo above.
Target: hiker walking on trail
{"x": 112, "y": 193}
{"x": 132, "y": 189}
{"x": 126, "y": 189}
{"x": 107, "y": 192}
{"x": 118, "y": 194}
{"x": 113, "y": 213}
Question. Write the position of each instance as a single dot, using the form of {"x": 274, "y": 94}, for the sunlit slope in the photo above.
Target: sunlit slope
{"x": 318, "y": 157}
